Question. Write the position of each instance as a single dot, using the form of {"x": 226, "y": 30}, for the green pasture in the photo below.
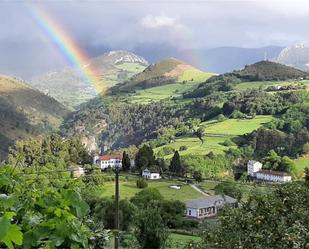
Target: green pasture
{"x": 128, "y": 189}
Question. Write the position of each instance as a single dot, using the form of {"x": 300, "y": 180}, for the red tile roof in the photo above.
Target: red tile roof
{"x": 276, "y": 173}
{"x": 106, "y": 157}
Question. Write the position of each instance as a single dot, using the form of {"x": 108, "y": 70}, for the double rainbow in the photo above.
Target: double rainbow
{"x": 69, "y": 48}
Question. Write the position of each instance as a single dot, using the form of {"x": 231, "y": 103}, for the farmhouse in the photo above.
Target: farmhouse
{"x": 105, "y": 162}
{"x": 273, "y": 176}
{"x": 151, "y": 175}
{"x": 255, "y": 170}
{"x": 208, "y": 206}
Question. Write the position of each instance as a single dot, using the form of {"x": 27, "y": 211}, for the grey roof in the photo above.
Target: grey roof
{"x": 210, "y": 201}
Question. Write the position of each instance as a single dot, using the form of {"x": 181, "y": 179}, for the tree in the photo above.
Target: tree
{"x": 306, "y": 174}
{"x": 144, "y": 197}
{"x": 150, "y": 229}
{"x": 141, "y": 183}
{"x": 276, "y": 220}
{"x": 200, "y": 133}
{"x": 145, "y": 158}
{"x": 230, "y": 189}
{"x": 176, "y": 166}
{"x": 126, "y": 163}
{"x": 197, "y": 175}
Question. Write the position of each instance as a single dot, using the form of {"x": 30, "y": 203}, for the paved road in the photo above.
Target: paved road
{"x": 196, "y": 188}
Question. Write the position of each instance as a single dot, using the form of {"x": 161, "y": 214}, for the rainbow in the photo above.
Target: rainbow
{"x": 69, "y": 48}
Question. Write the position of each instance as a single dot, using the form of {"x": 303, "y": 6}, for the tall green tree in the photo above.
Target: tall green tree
{"x": 176, "y": 166}
{"x": 126, "y": 163}
{"x": 145, "y": 158}
{"x": 150, "y": 230}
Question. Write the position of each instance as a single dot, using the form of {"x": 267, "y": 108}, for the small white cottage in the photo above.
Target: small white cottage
{"x": 151, "y": 175}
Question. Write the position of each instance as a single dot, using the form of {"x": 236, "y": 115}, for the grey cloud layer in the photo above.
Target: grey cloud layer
{"x": 127, "y": 24}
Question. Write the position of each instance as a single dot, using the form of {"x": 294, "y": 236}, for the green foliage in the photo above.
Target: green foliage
{"x": 47, "y": 211}
{"x": 145, "y": 158}
{"x": 221, "y": 118}
{"x": 48, "y": 150}
{"x": 142, "y": 198}
{"x": 126, "y": 162}
{"x": 274, "y": 220}
{"x": 141, "y": 183}
{"x": 150, "y": 229}
{"x": 103, "y": 211}
{"x": 183, "y": 147}
{"x": 176, "y": 167}
{"x": 274, "y": 162}
{"x": 230, "y": 189}
{"x": 197, "y": 175}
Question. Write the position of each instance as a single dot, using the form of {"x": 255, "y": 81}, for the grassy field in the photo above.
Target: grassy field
{"x": 194, "y": 76}
{"x": 264, "y": 84}
{"x": 128, "y": 189}
{"x": 195, "y": 146}
{"x": 301, "y": 163}
{"x": 225, "y": 130}
{"x": 237, "y": 126}
{"x": 178, "y": 241}
{"x": 188, "y": 81}
{"x": 162, "y": 92}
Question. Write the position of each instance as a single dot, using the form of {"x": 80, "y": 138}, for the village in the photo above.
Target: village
{"x": 209, "y": 204}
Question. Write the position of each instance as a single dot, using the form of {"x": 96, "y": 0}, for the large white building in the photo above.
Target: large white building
{"x": 253, "y": 167}
{"x": 255, "y": 170}
{"x": 273, "y": 176}
{"x": 208, "y": 207}
{"x": 105, "y": 162}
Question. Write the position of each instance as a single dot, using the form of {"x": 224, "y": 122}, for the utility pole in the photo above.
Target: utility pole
{"x": 117, "y": 208}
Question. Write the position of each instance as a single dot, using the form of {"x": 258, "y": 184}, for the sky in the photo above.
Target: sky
{"x": 101, "y": 25}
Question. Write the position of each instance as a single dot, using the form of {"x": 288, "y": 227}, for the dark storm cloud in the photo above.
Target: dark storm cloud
{"x": 100, "y": 25}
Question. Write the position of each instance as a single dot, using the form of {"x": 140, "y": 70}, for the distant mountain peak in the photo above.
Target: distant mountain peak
{"x": 296, "y": 55}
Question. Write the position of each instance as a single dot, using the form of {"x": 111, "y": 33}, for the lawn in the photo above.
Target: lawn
{"x": 128, "y": 189}
{"x": 301, "y": 163}
{"x": 178, "y": 241}
{"x": 237, "y": 126}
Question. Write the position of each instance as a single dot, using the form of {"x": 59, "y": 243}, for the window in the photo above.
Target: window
{"x": 189, "y": 212}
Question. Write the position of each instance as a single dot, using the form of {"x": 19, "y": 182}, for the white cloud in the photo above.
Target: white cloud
{"x": 161, "y": 21}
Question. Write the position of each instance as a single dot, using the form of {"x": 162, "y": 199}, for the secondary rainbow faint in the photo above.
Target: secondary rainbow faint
{"x": 67, "y": 45}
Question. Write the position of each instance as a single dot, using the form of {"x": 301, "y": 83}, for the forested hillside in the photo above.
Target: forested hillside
{"x": 25, "y": 112}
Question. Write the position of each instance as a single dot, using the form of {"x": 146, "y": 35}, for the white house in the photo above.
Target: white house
{"x": 77, "y": 171}
{"x": 208, "y": 207}
{"x": 151, "y": 175}
{"x": 273, "y": 176}
{"x": 105, "y": 162}
{"x": 253, "y": 167}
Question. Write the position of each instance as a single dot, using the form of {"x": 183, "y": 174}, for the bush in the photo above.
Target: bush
{"x": 238, "y": 115}
{"x": 141, "y": 183}
{"x": 168, "y": 150}
{"x": 183, "y": 147}
{"x": 189, "y": 224}
{"x": 197, "y": 175}
{"x": 228, "y": 142}
{"x": 221, "y": 118}
{"x": 306, "y": 148}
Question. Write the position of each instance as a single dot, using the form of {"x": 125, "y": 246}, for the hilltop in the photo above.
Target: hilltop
{"x": 25, "y": 112}
{"x": 164, "y": 72}
{"x": 69, "y": 88}
{"x": 258, "y": 72}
